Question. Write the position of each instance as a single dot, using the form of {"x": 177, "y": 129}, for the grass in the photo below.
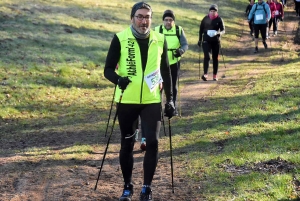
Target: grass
{"x": 254, "y": 119}
{"x": 52, "y": 55}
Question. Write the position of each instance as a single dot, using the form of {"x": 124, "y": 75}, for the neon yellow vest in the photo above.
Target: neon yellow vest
{"x": 172, "y": 40}
{"x": 130, "y": 64}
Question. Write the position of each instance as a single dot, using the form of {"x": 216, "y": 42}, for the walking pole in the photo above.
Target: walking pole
{"x": 111, "y": 105}
{"x": 223, "y": 76}
{"x": 170, "y": 136}
{"x": 112, "y": 129}
{"x": 178, "y": 88}
{"x": 199, "y": 62}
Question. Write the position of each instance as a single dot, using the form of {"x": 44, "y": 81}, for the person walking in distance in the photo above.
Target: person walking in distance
{"x": 279, "y": 15}
{"x": 250, "y": 23}
{"x": 141, "y": 55}
{"x": 211, "y": 28}
{"x": 177, "y": 46}
{"x": 261, "y": 14}
{"x": 272, "y": 19}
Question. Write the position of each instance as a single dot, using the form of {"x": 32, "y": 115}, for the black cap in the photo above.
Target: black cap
{"x": 213, "y": 7}
{"x": 168, "y": 13}
{"x": 138, "y": 6}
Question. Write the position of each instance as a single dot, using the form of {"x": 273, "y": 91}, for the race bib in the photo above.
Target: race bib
{"x": 153, "y": 79}
{"x": 211, "y": 33}
{"x": 259, "y": 17}
{"x": 276, "y": 12}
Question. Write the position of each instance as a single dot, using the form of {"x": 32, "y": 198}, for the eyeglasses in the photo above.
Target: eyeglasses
{"x": 141, "y": 17}
{"x": 168, "y": 20}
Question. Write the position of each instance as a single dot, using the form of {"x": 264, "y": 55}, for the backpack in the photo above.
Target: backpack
{"x": 263, "y": 7}
{"x": 256, "y": 9}
{"x": 177, "y": 31}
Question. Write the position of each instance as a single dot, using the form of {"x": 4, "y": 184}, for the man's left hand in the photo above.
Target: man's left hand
{"x": 178, "y": 52}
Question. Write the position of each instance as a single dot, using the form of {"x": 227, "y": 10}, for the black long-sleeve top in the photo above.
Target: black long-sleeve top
{"x": 113, "y": 57}
{"x": 210, "y": 24}
{"x": 249, "y": 7}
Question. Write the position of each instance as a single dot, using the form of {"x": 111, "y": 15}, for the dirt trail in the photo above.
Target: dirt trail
{"x": 51, "y": 180}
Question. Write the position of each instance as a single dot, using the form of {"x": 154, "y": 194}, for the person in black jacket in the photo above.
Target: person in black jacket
{"x": 211, "y": 28}
{"x": 249, "y": 7}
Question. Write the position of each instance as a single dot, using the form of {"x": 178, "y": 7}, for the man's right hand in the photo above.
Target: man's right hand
{"x": 123, "y": 82}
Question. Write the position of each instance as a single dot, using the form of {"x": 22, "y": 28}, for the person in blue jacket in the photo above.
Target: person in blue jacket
{"x": 261, "y": 15}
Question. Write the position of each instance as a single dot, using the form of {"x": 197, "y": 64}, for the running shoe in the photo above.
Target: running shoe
{"x": 256, "y": 50}
{"x": 143, "y": 144}
{"x": 215, "y": 77}
{"x": 146, "y": 194}
{"x": 127, "y": 193}
{"x": 204, "y": 77}
{"x": 265, "y": 45}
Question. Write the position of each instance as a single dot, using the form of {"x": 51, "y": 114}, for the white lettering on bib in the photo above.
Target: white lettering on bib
{"x": 153, "y": 79}
{"x": 276, "y": 12}
{"x": 259, "y": 17}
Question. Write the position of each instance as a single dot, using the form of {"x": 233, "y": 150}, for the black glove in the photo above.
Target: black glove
{"x": 178, "y": 52}
{"x": 170, "y": 109}
{"x": 199, "y": 43}
{"x": 123, "y": 82}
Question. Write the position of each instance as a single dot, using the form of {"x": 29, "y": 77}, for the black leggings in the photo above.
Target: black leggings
{"x": 262, "y": 28}
{"x": 150, "y": 115}
{"x": 297, "y": 7}
{"x": 274, "y": 21}
{"x": 174, "y": 74}
{"x": 250, "y": 23}
{"x": 214, "y": 48}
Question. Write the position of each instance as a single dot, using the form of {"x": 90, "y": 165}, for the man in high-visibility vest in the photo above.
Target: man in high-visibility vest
{"x": 177, "y": 46}
{"x": 141, "y": 55}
